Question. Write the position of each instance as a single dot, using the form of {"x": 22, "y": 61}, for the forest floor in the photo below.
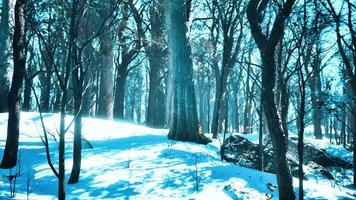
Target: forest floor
{"x": 131, "y": 161}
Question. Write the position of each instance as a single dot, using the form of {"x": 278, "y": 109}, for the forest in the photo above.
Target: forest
{"x": 178, "y": 99}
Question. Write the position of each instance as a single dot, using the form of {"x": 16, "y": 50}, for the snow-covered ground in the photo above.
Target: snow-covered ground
{"x": 131, "y": 161}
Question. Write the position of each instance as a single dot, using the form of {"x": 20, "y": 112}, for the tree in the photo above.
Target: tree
{"x": 4, "y": 54}
{"x": 78, "y": 75}
{"x": 64, "y": 87}
{"x": 347, "y": 51}
{"x": 127, "y": 54}
{"x": 230, "y": 17}
{"x": 106, "y": 55}
{"x": 155, "y": 50}
{"x": 184, "y": 120}
{"x": 14, "y": 97}
{"x": 267, "y": 47}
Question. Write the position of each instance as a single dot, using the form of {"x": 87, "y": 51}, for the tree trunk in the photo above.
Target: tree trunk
{"x": 260, "y": 137}
{"x": 105, "y": 107}
{"x": 156, "y": 99}
{"x": 284, "y": 102}
{"x": 58, "y": 97}
{"x": 226, "y": 113}
{"x": 301, "y": 133}
{"x": 46, "y": 90}
{"x": 14, "y": 97}
{"x": 26, "y": 106}
{"x": 343, "y": 125}
{"x": 267, "y": 46}
{"x": 4, "y": 55}
{"x": 77, "y": 79}
{"x": 184, "y": 119}
{"x": 353, "y": 124}
{"x": 315, "y": 91}
{"x": 89, "y": 78}
{"x": 217, "y": 105}
{"x": 120, "y": 87}
{"x": 169, "y": 97}
{"x": 278, "y": 136}
{"x": 61, "y": 148}
{"x": 248, "y": 105}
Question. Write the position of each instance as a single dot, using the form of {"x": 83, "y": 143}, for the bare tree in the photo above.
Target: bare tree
{"x": 347, "y": 51}
{"x": 267, "y": 46}
{"x": 230, "y": 18}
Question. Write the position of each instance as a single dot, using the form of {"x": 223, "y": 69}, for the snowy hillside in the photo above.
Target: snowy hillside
{"x": 135, "y": 162}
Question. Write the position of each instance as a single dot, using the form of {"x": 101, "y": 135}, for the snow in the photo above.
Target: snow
{"x": 131, "y": 161}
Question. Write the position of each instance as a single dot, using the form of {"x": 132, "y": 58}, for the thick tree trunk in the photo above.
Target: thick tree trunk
{"x": 315, "y": 91}
{"x": 105, "y": 107}
{"x": 184, "y": 119}
{"x": 14, "y": 97}
{"x": 120, "y": 86}
{"x": 4, "y": 55}
{"x": 156, "y": 99}
{"x": 46, "y": 90}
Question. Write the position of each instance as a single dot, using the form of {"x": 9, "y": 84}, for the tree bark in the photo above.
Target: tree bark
{"x": 315, "y": 92}
{"x": 78, "y": 80}
{"x": 277, "y": 133}
{"x": 14, "y": 97}
{"x": 184, "y": 119}
{"x": 45, "y": 80}
{"x": 120, "y": 91}
{"x": 267, "y": 46}
{"x": 26, "y": 106}
{"x": 127, "y": 56}
{"x": 155, "y": 52}
{"x": 105, "y": 108}
{"x": 248, "y": 104}
{"x": 106, "y": 55}
{"x": 4, "y": 55}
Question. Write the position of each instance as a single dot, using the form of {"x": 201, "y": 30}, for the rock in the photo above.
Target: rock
{"x": 239, "y": 150}
{"x": 319, "y": 156}
{"x": 321, "y": 170}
